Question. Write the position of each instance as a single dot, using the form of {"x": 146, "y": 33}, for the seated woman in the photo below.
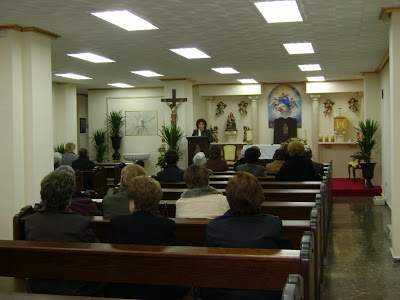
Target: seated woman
{"x": 143, "y": 227}
{"x": 297, "y": 167}
{"x": 243, "y": 226}
{"x": 171, "y": 172}
{"x": 116, "y": 202}
{"x": 55, "y": 223}
{"x": 251, "y": 156}
{"x": 279, "y": 159}
{"x": 69, "y": 155}
{"x": 83, "y": 163}
{"x": 200, "y": 200}
{"x": 215, "y": 162}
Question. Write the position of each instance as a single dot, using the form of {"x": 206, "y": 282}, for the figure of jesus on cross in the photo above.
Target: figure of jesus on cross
{"x": 172, "y": 103}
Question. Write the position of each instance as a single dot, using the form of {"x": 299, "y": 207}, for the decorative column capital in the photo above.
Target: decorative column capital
{"x": 209, "y": 98}
{"x": 254, "y": 98}
{"x": 315, "y": 97}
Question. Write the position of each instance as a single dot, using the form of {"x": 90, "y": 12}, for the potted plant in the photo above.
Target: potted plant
{"x": 99, "y": 140}
{"x": 60, "y": 148}
{"x": 366, "y": 142}
{"x": 115, "y": 121}
{"x": 170, "y": 135}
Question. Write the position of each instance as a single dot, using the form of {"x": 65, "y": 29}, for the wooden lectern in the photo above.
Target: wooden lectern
{"x": 197, "y": 144}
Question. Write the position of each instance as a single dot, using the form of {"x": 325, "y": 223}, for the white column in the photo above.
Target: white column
{"x": 25, "y": 120}
{"x": 210, "y": 110}
{"x": 254, "y": 117}
{"x": 315, "y": 126}
{"x": 65, "y": 114}
{"x": 394, "y": 66}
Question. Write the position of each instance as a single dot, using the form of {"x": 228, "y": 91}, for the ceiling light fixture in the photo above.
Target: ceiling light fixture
{"x": 225, "y": 70}
{"x": 316, "y": 78}
{"x": 125, "y": 19}
{"x": 146, "y": 73}
{"x": 279, "y": 11}
{"x": 247, "y": 80}
{"x": 94, "y": 58}
{"x": 299, "y": 48}
{"x": 120, "y": 85}
{"x": 311, "y": 67}
{"x": 73, "y": 76}
{"x": 190, "y": 53}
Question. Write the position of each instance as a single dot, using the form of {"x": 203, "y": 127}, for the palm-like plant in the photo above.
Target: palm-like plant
{"x": 367, "y": 129}
{"x": 59, "y": 148}
{"x": 115, "y": 121}
{"x": 171, "y": 135}
{"x": 99, "y": 139}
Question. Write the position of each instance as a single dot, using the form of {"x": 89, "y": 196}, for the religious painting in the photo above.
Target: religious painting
{"x": 284, "y": 101}
{"x": 82, "y": 125}
{"x": 141, "y": 123}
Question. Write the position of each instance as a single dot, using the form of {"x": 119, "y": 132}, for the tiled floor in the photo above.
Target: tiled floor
{"x": 359, "y": 261}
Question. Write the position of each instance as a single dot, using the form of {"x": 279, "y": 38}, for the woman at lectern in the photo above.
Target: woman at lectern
{"x": 201, "y": 130}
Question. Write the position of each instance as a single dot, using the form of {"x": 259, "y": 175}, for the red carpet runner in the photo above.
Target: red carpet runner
{"x": 346, "y": 187}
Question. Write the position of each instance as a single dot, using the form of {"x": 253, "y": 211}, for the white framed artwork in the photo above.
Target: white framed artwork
{"x": 141, "y": 123}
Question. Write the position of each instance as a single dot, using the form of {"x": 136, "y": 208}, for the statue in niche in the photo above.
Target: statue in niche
{"x": 214, "y": 132}
{"x": 220, "y": 108}
{"x": 231, "y": 123}
{"x": 353, "y": 104}
{"x": 328, "y": 107}
{"x": 247, "y": 136}
{"x": 243, "y": 108}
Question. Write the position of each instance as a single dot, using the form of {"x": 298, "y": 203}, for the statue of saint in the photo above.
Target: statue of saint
{"x": 231, "y": 123}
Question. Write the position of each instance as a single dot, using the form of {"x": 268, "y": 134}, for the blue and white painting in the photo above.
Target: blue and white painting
{"x": 284, "y": 101}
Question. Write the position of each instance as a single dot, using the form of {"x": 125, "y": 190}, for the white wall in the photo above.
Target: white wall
{"x": 386, "y": 130}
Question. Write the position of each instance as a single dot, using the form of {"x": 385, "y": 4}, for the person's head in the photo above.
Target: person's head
{"x": 144, "y": 193}
{"x": 279, "y": 154}
{"x": 66, "y": 169}
{"x": 307, "y": 152}
{"x": 69, "y": 147}
{"x": 196, "y": 177}
{"x": 83, "y": 153}
{"x": 201, "y": 124}
{"x": 200, "y": 159}
{"x": 56, "y": 190}
{"x": 171, "y": 157}
{"x": 252, "y": 154}
{"x": 295, "y": 149}
{"x": 215, "y": 152}
{"x": 57, "y": 159}
{"x": 244, "y": 194}
{"x": 129, "y": 172}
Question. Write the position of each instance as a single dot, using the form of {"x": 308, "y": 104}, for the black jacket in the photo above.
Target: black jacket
{"x": 206, "y": 132}
{"x": 83, "y": 164}
{"x": 297, "y": 169}
{"x": 171, "y": 173}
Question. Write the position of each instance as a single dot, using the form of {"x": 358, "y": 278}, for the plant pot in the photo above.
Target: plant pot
{"x": 116, "y": 144}
{"x": 368, "y": 174}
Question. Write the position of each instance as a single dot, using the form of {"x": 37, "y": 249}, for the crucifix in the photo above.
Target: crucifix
{"x": 172, "y": 103}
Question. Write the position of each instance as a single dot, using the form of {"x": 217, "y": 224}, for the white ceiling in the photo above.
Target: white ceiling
{"x": 347, "y": 35}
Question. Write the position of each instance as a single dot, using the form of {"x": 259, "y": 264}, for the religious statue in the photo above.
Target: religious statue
{"x": 353, "y": 104}
{"x": 243, "y": 108}
{"x": 172, "y": 103}
{"x": 214, "y": 131}
{"x": 328, "y": 107}
{"x": 220, "y": 108}
{"x": 247, "y": 135}
{"x": 231, "y": 123}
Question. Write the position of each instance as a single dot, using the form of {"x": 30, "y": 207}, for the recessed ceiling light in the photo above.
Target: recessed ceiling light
{"x": 73, "y": 76}
{"x": 94, "y": 58}
{"x": 146, "y": 73}
{"x": 225, "y": 70}
{"x": 247, "y": 80}
{"x": 312, "y": 67}
{"x": 280, "y": 11}
{"x": 190, "y": 53}
{"x": 299, "y": 48}
{"x": 125, "y": 19}
{"x": 120, "y": 85}
{"x": 316, "y": 78}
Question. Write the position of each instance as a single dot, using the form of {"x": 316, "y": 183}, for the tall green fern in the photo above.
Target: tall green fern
{"x": 99, "y": 140}
{"x": 171, "y": 135}
{"x": 366, "y": 142}
{"x": 115, "y": 120}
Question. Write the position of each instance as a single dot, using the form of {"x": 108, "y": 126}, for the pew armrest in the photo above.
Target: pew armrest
{"x": 294, "y": 288}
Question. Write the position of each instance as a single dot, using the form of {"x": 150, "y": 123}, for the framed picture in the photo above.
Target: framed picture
{"x": 141, "y": 123}
{"x": 82, "y": 125}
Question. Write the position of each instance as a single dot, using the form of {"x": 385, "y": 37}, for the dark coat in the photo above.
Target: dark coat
{"x": 253, "y": 168}
{"x": 217, "y": 165}
{"x": 297, "y": 169}
{"x": 171, "y": 173}
{"x": 116, "y": 203}
{"x": 60, "y": 227}
{"x": 206, "y": 132}
{"x": 83, "y": 164}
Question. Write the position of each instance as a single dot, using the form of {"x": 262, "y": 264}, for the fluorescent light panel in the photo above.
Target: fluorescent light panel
{"x": 73, "y": 76}
{"x": 120, "y": 85}
{"x": 280, "y": 11}
{"x": 190, "y": 53}
{"x": 146, "y": 73}
{"x": 316, "y": 78}
{"x": 299, "y": 48}
{"x": 247, "y": 80}
{"x": 225, "y": 70}
{"x": 311, "y": 67}
{"x": 94, "y": 58}
{"x": 125, "y": 19}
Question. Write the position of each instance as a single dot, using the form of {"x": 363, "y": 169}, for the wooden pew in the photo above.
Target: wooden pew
{"x": 161, "y": 265}
{"x": 264, "y": 184}
{"x": 26, "y": 296}
{"x": 95, "y": 179}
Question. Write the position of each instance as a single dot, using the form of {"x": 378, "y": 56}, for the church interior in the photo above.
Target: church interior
{"x": 126, "y": 83}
